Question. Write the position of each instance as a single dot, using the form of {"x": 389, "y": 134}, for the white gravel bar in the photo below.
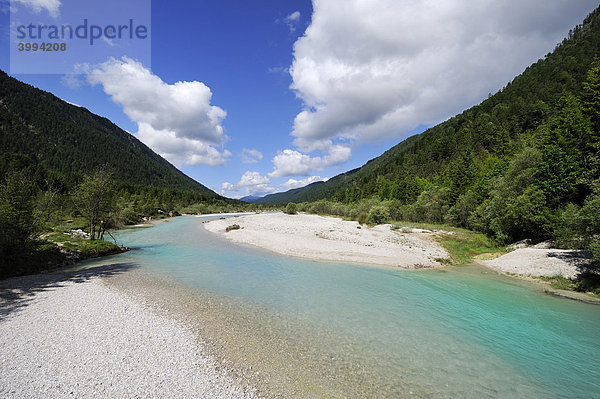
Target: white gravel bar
{"x": 333, "y": 239}
{"x": 544, "y": 262}
{"x": 78, "y": 338}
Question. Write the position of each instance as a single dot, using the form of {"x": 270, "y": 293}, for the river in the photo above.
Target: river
{"x": 319, "y": 329}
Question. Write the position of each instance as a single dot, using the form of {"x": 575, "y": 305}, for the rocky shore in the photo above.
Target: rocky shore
{"x": 72, "y": 335}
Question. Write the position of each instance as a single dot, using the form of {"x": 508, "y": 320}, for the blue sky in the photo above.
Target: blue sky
{"x": 280, "y": 93}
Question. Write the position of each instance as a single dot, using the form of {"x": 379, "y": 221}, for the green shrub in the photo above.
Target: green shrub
{"x": 595, "y": 249}
{"x": 378, "y": 215}
{"x": 517, "y": 207}
{"x": 290, "y": 209}
{"x": 395, "y": 209}
{"x": 321, "y": 207}
{"x": 362, "y": 217}
{"x": 460, "y": 213}
{"x": 570, "y": 228}
{"x": 92, "y": 249}
{"x": 338, "y": 209}
{"x": 232, "y": 227}
{"x": 311, "y": 208}
{"x": 431, "y": 206}
{"x": 588, "y": 281}
{"x": 559, "y": 282}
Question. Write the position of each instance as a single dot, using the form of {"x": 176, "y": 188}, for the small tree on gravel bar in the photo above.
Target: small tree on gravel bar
{"x": 95, "y": 199}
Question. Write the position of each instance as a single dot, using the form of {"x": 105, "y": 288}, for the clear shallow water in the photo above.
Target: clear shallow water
{"x": 457, "y": 333}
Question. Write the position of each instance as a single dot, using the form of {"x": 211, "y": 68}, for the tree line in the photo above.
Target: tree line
{"x": 36, "y": 202}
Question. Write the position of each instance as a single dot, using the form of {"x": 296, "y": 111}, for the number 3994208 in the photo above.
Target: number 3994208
{"x": 41, "y": 46}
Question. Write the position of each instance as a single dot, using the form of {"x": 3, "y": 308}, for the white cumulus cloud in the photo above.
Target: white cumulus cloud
{"x": 294, "y": 163}
{"x": 250, "y": 155}
{"x": 367, "y": 70}
{"x": 253, "y": 182}
{"x": 176, "y": 120}
{"x": 181, "y": 150}
{"x": 293, "y": 183}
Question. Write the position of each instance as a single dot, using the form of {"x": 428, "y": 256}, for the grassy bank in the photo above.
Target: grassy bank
{"x": 587, "y": 282}
{"x": 60, "y": 244}
{"x": 70, "y": 237}
{"x": 465, "y": 246}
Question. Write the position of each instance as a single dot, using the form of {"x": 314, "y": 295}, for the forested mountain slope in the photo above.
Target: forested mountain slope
{"x": 72, "y": 141}
{"x": 549, "y": 107}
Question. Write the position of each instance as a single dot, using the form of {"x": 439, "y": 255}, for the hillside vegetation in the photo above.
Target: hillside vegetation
{"x": 523, "y": 164}
{"x": 71, "y": 141}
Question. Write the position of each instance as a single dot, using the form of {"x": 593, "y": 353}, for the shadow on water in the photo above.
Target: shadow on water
{"x": 17, "y": 292}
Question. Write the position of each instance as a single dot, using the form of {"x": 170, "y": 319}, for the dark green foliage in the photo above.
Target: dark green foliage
{"x": 516, "y": 208}
{"x": 579, "y": 227}
{"x": 591, "y": 94}
{"x": 460, "y": 213}
{"x": 16, "y": 219}
{"x": 595, "y": 249}
{"x": 232, "y": 227}
{"x": 378, "y": 215}
{"x": 569, "y": 228}
{"x": 431, "y": 206}
{"x": 588, "y": 281}
{"x": 96, "y": 248}
{"x": 362, "y": 218}
{"x": 291, "y": 209}
{"x": 23, "y": 210}
{"x": 94, "y": 198}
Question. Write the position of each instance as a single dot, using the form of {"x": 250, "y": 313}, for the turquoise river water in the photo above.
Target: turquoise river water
{"x": 355, "y": 331}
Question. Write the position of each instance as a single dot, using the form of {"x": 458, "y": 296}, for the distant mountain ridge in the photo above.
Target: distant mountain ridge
{"x": 69, "y": 139}
{"x": 251, "y": 198}
{"x": 287, "y": 196}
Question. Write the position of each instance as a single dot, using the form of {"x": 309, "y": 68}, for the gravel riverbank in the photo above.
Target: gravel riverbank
{"x": 544, "y": 262}
{"x": 333, "y": 239}
{"x": 72, "y": 335}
